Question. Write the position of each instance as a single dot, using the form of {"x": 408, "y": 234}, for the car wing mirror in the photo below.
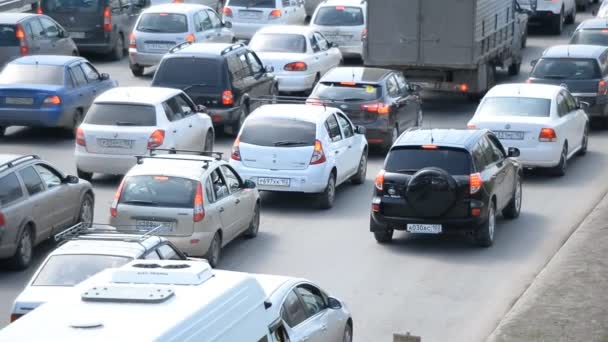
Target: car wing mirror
{"x": 227, "y": 24}
{"x": 269, "y": 68}
{"x": 333, "y": 303}
{"x": 69, "y": 179}
{"x": 583, "y": 105}
{"x": 513, "y": 152}
{"x": 360, "y": 130}
{"x": 415, "y": 88}
{"x": 533, "y": 63}
{"x": 248, "y": 184}
{"x": 201, "y": 109}
{"x": 104, "y": 76}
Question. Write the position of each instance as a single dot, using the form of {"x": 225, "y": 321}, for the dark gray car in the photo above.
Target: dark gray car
{"x": 23, "y": 34}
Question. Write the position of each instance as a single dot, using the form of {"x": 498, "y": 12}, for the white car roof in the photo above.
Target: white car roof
{"x": 176, "y": 8}
{"x": 173, "y": 168}
{"x": 140, "y": 95}
{"x": 303, "y": 112}
{"x": 287, "y": 29}
{"x": 541, "y": 91}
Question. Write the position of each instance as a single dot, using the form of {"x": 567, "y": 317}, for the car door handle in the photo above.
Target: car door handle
{"x": 221, "y": 210}
{"x": 190, "y": 125}
{"x": 237, "y": 201}
{"x": 174, "y": 131}
{"x": 324, "y": 327}
{"x": 336, "y": 152}
{"x": 350, "y": 146}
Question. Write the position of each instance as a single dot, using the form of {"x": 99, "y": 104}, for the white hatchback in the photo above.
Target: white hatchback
{"x": 248, "y": 16}
{"x": 126, "y": 122}
{"x": 545, "y": 122}
{"x": 343, "y": 23}
{"x": 300, "y": 148}
{"x": 299, "y": 55}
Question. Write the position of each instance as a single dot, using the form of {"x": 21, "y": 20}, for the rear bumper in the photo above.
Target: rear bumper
{"x": 111, "y": 164}
{"x": 55, "y": 116}
{"x": 143, "y": 58}
{"x": 195, "y": 245}
{"x": 295, "y": 81}
{"x": 381, "y": 222}
{"x": 223, "y": 116}
{"x": 98, "y": 47}
{"x": 311, "y": 180}
{"x": 351, "y": 51}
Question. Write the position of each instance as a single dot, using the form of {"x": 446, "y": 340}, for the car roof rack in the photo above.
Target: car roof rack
{"x": 214, "y": 154}
{"x": 17, "y": 161}
{"x": 232, "y": 48}
{"x": 106, "y": 232}
{"x": 180, "y": 46}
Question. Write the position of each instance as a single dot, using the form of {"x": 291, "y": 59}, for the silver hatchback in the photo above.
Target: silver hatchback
{"x": 343, "y": 23}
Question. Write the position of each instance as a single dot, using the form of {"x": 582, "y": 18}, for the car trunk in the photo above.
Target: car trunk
{"x": 174, "y": 221}
{"x": 84, "y": 20}
{"x": 276, "y": 158}
{"x": 354, "y": 99}
{"x": 25, "y": 96}
{"x": 106, "y": 139}
{"x": 515, "y": 131}
{"x": 158, "y": 42}
{"x": 159, "y": 32}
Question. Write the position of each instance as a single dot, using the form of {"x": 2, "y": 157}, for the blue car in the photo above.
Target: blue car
{"x": 49, "y": 91}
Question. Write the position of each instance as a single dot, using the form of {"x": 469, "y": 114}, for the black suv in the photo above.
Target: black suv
{"x": 225, "y": 78}
{"x": 381, "y": 100}
{"x": 442, "y": 180}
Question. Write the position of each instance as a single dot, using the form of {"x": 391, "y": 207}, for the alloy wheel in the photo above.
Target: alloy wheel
{"x": 518, "y": 196}
{"x": 25, "y": 247}
{"x": 491, "y": 223}
{"x": 86, "y": 212}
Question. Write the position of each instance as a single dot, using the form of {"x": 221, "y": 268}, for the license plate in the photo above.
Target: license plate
{"x": 274, "y": 181}
{"x": 249, "y": 15}
{"x": 77, "y": 35}
{"x": 167, "y": 227}
{"x": 115, "y": 143}
{"x": 159, "y": 46}
{"x": 19, "y": 100}
{"x": 509, "y": 135}
{"x": 424, "y": 228}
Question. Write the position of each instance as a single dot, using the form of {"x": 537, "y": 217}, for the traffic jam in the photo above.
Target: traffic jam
{"x": 306, "y": 92}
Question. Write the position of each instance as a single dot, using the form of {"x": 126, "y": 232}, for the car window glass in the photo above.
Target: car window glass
{"x": 168, "y": 253}
{"x": 209, "y": 193}
{"x": 32, "y": 181}
{"x": 78, "y": 75}
{"x": 36, "y": 28}
{"x": 196, "y": 20}
{"x": 152, "y": 256}
{"x": 256, "y": 66}
{"x": 113, "y": 114}
{"x": 479, "y": 157}
{"x": 184, "y": 105}
{"x": 90, "y": 72}
{"x": 314, "y": 44}
{"x": 71, "y": 269}
{"x": 401, "y": 83}
{"x": 49, "y": 177}
{"x": 220, "y": 189}
{"x": 491, "y": 154}
{"x": 232, "y": 179}
{"x": 333, "y": 129}
{"x": 293, "y": 312}
{"x": 70, "y": 80}
{"x": 570, "y": 101}
{"x": 312, "y": 298}
{"x": 347, "y": 128}
{"x": 215, "y": 20}
{"x": 323, "y": 45}
{"x": 50, "y": 29}
{"x": 169, "y": 112}
{"x": 562, "y": 105}
{"x": 176, "y": 109}
{"x": 392, "y": 87}
{"x": 163, "y": 23}
{"x": 245, "y": 67}
{"x": 497, "y": 147}
{"x": 10, "y": 189}
{"x": 205, "y": 21}
{"x": 285, "y": 3}
{"x": 158, "y": 191}
{"x": 115, "y": 5}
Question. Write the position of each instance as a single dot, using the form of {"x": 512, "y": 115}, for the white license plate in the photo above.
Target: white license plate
{"x": 509, "y": 135}
{"x": 424, "y": 228}
{"x": 167, "y": 227}
{"x": 77, "y": 35}
{"x": 158, "y": 46}
{"x": 19, "y": 100}
{"x": 274, "y": 181}
{"x": 115, "y": 143}
{"x": 250, "y": 15}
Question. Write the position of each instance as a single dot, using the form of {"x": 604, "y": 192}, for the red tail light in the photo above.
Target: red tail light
{"x": 318, "y": 156}
{"x": 275, "y": 13}
{"x": 227, "y": 11}
{"x": 379, "y": 108}
{"x": 236, "y": 152}
{"x": 529, "y": 81}
{"x": 132, "y": 41}
{"x": 15, "y": 317}
{"x": 52, "y": 100}
{"x": 602, "y": 87}
{"x": 39, "y": 9}
{"x": 463, "y": 88}
{"x": 80, "y": 137}
{"x": 199, "y": 211}
{"x": 190, "y": 38}
{"x": 547, "y": 135}
{"x": 107, "y": 19}
{"x": 471, "y": 126}
{"x": 156, "y": 139}
{"x": 227, "y": 98}
{"x": 475, "y": 183}
{"x": 2, "y": 219}
{"x": 379, "y": 183}
{"x": 178, "y": 1}
{"x": 114, "y": 206}
{"x": 296, "y": 66}
{"x": 364, "y": 34}
{"x": 20, "y": 34}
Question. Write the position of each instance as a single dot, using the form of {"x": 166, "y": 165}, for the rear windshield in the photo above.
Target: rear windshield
{"x": 590, "y": 37}
{"x": 253, "y": 3}
{"x": 159, "y": 191}
{"x": 410, "y": 160}
{"x": 8, "y": 36}
{"x": 32, "y": 74}
{"x": 278, "y": 42}
{"x": 514, "y": 106}
{"x": 163, "y": 23}
{"x": 339, "y": 92}
{"x": 71, "y": 6}
{"x": 71, "y": 269}
{"x": 118, "y": 114}
{"x": 278, "y": 132}
{"x": 183, "y": 72}
{"x": 339, "y": 16}
{"x": 566, "y": 68}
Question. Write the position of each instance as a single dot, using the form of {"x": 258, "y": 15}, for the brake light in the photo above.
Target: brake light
{"x": 156, "y": 139}
{"x": 107, "y": 19}
{"x": 114, "y": 206}
{"x": 199, "y": 211}
{"x": 20, "y": 34}
{"x": 376, "y": 204}
{"x": 547, "y": 135}
{"x": 227, "y": 98}
{"x": 132, "y": 41}
{"x": 379, "y": 183}
{"x": 15, "y": 317}
{"x": 475, "y": 183}
{"x": 529, "y": 81}
{"x": 364, "y": 34}
{"x": 602, "y": 87}
{"x": 275, "y": 13}
{"x": 471, "y": 126}
{"x": 296, "y": 66}
{"x": 463, "y": 87}
{"x": 52, "y": 100}
{"x": 340, "y": 8}
{"x": 227, "y": 11}
{"x": 2, "y": 219}
{"x": 318, "y": 156}
{"x": 379, "y": 108}
{"x": 178, "y": 1}
{"x": 430, "y": 147}
{"x": 350, "y": 84}
{"x": 39, "y": 9}
{"x": 80, "y": 137}
{"x": 190, "y": 38}
{"x": 236, "y": 151}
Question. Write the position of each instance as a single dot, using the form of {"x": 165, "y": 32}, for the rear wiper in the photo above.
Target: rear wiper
{"x": 557, "y": 77}
{"x": 195, "y": 85}
{"x": 149, "y": 29}
{"x": 125, "y": 123}
{"x": 141, "y": 202}
{"x": 353, "y": 100}
{"x": 290, "y": 143}
{"x": 407, "y": 170}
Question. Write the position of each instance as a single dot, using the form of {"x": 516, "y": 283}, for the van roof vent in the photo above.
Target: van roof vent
{"x": 167, "y": 272}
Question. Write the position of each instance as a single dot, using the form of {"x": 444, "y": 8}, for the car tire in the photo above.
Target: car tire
{"x": 485, "y": 232}
{"x": 119, "y": 47}
{"x": 513, "y": 209}
{"x": 348, "y": 332}
{"x": 23, "y": 255}
{"x": 384, "y": 236}
{"x": 328, "y": 196}
{"x": 254, "y": 225}
{"x": 514, "y": 69}
{"x": 585, "y": 142}
{"x": 243, "y": 113}
{"x": 87, "y": 210}
{"x": 209, "y": 141}
{"x": 560, "y": 169}
{"x": 84, "y": 175}
{"x": 557, "y": 23}
{"x": 137, "y": 70}
{"x": 215, "y": 248}
{"x": 359, "y": 177}
{"x": 571, "y": 18}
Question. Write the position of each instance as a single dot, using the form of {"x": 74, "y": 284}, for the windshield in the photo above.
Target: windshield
{"x": 566, "y": 68}
{"x": 187, "y": 71}
{"x": 32, "y": 74}
{"x": 71, "y": 269}
{"x": 278, "y": 132}
{"x": 163, "y": 23}
{"x": 339, "y": 92}
{"x": 120, "y": 114}
{"x": 71, "y": 6}
{"x": 8, "y": 35}
{"x": 514, "y": 106}
{"x": 252, "y": 3}
{"x": 278, "y": 42}
{"x": 590, "y": 37}
{"x": 339, "y": 16}
{"x": 410, "y": 160}
{"x": 159, "y": 191}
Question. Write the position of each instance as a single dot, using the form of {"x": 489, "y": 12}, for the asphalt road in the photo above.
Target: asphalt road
{"x": 443, "y": 289}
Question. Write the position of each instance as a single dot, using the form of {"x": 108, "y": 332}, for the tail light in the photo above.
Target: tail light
{"x": 296, "y": 66}
{"x": 15, "y": 317}
{"x": 602, "y": 87}
{"x": 275, "y": 13}
{"x": 379, "y": 183}
{"x": 463, "y": 87}
{"x": 314, "y": 102}
{"x": 227, "y": 11}
{"x": 199, "y": 211}
{"x": 2, "y": 219}
{"x": 156, "y": 139}
{"x": 190, "y": 38}
{"x": 376, "y": 204}
{"x": 475, "y": 183}
{"x": 114, "y": 206}
{"x": 52, "y": 100}
{"x": 364, "y": 34}
{"x": 529, "y": 81}
{"x": 318, "y": 156}
{"x": 107, "y": 19}
{"x": 80, "y": 137}
{"x": 379, "y": 108}
{"x": 132, "y": 41}
{"x": 38, "y": 9}
{"x": 20, "y": 34}
{"x": 471, "y": 126}
{"x": 178, "y": 1}
{"x": 227, "y": 98}
{"x": 236, "y": 151}
{"x": 547, "y": 135}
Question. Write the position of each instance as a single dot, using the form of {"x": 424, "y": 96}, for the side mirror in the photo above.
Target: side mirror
{"x": 201, "y": 109}
{"x": 227, "y": 24}
{"x": 583, "y": 104}
{"x": 360, "y": 130}
{"x": 415, "y": 88}
{"x": 533, "y": 62}
{"x": 248, "y": 184}
{"x": 269, "y": 68}
{"x": 513, "y": 152}
{"x": 104, "y": 76}
{"x": 333, "y": 303}
{"x": 69, "y": 179}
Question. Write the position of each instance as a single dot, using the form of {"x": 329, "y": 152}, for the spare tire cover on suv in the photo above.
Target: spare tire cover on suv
{"x": 431, "y": 192}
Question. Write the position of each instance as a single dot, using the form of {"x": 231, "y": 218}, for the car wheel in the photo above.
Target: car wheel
{"x": 118, "y": 50}
{"x": 560, "y": 169}
{"x": 213, "y": 254}
{"x": 359, "y": 177}
{"x": 236, "y": 127}
{"x": 571, "y": 18}
{"x": 557, "y": 24}
{"x": 384, "y": 236}
{"x": 209, "y": 141}
{"x": 137, "y": 70}
{"x": 23, "y": 256}
{"x": 514, "y": 69}
{"x": 327, "y": 197}
{"x": 585, "y": 142}
{"x": 87, "y": 211}
{"x": 254, "y": 225}
{"x": 84, "y": 175}
{"x": 513, "y": 209}
{"x": 485, "y": 233}
{"x": 348, "y": 332}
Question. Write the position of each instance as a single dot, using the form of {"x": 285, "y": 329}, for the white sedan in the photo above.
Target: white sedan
{"x": 545, "y": 122}
{"x": 299, "y": 54}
